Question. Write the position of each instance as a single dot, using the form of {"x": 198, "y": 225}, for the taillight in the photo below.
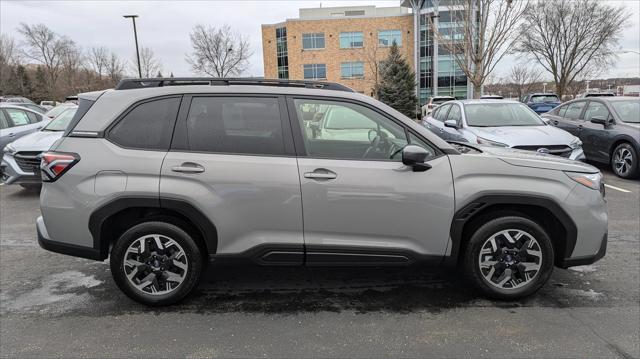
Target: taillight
{"x": 55, "y": 164}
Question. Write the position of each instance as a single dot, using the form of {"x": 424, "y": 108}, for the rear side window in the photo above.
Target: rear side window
{"x": 148, "y": 125}
{"x": 83, "y": 107}
{"x": 235, "y": 125}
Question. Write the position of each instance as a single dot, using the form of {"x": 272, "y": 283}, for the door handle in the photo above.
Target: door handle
{"x": 555, "y": 122}
{"x": 579, "y": 127}
{"x": 321, "y": 174}
{"x": 188, "y": 167}
{"x": 12, "y": 134}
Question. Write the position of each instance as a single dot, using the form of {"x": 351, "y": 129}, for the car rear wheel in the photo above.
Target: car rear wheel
{"x": 624, "y": 161}
{"x": 156, "y": 263}
{"x": 509, "y": 257}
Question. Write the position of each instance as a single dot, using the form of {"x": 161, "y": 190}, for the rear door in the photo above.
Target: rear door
{"x": 232, "y": 157}
{"x": 361, "y": 204}
{"x": 572, "y": 121}
{"x": 22, "y": 123}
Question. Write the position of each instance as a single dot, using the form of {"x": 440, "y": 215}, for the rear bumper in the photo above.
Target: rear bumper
{"x": 64, "y": 248}
{"x": 584, "y": 260}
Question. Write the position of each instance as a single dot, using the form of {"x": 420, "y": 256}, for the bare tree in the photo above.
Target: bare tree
{"x": 523, "y": 78}
{"x": 218, "y": 52}
{"x": 149, "y": 64}
{"x": 483, "y": 36}
{"x": 48, "y": 48}
{"x": 373, "y": 58}
{"x": 115, "y": 68}
{"x": 571, "y": 37}
{"x": 9, "y": 58}
{"x": 98, "y": 57}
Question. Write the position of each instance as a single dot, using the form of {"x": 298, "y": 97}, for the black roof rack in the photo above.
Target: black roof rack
{"x": 127, "y": 84}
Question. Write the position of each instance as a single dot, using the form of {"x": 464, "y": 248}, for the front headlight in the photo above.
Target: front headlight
{"x": 484, "y": 141}
{"x": 591, "y": 180}
{"x": 9, "y": 149}
{"x": 576, "y": 143}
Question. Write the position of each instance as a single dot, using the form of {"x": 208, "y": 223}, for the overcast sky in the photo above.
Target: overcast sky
{"x": 164, "y": 26}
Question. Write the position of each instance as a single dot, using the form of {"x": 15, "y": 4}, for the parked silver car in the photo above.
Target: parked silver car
{"x": 21, "y": 158}
{"x": 161, "y": 179}
{"x": 501, "y": 123}
{"x": 16, "y": 121}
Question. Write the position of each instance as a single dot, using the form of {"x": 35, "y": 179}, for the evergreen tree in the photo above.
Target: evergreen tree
{"x": 159, "y": 74}
{"x": 397, "y": 83}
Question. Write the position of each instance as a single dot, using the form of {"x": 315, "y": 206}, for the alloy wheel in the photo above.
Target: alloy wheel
{"x": 510, "y": 259}
{"x": 155, "y": 264}
{"x": 623, "y": 161}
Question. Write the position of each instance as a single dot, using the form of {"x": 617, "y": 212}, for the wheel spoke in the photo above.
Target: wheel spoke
{"x": 179, "y": 264}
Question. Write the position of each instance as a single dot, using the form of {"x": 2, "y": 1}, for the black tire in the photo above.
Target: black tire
{"x": 36, "y": 187}
{"x": 471, "y": 261}
{"x": 192, "y": 252}
{"x": 630, "y": 168}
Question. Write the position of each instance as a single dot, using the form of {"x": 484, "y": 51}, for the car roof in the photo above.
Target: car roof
{"x": 18, "y": 107}
{"x": 485, "y": 100}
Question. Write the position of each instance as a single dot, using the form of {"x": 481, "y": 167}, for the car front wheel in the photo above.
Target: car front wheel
{"x": 624, "y": 161}
{"x": 156, "y": 263}
{"x": 509, "y": 257}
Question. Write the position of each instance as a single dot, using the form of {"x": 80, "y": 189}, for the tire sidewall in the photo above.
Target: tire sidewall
{"x": 192, "y": 253}
{"x": 483, "y": 233}
{"x": 634, "y": 163}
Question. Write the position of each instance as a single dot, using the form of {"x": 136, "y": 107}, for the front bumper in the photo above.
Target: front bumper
{"x": 12, "y": 173}
{"x": 64, "y": 248}
{"x": 584, "y": 260}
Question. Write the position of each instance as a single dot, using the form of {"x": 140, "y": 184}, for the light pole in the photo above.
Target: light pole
{"x": 135, "y": 36}
{"x": 544, "y": 87}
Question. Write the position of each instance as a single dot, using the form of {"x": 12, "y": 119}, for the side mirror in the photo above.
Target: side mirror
{"x": 451, "y": 123}
{"x": 415, "y": 156}
{"x": 600, "y": 120}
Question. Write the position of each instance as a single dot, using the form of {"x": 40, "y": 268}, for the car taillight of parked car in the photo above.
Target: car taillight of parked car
{"x": 54, "y": 164}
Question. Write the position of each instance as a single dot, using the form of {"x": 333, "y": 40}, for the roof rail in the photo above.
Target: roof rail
{"x": 128, "y": 84}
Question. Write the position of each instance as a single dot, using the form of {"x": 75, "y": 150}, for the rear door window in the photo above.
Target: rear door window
{"x": 574, "y": 110}
{"x": 236, "y": 125}
{"x": 18, "y": 117}
{"x": 148, "y": 125}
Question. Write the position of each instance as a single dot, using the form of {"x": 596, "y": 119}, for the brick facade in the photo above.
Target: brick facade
{"x": 332, "y": 55}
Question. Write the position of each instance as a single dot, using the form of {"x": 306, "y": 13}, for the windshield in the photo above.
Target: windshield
{"x": 56, "y": 111}
{"x": 629, "y": 111}
{"x": 61, "y": 122}
{"x": 544, "y": 98}
{"x": 441, "y": 100}
{"x": 498, "y": 114}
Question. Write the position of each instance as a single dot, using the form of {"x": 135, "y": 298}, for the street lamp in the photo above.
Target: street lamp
{"x": 135, "y": 35}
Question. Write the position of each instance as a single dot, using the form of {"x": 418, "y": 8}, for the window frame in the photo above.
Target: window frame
{"x": 314, "y": 37}
{"x": 106, "y": 134}
{"x": 300, "y": 147}
{"x": 399, "y": 43}
{"x": 180, "y": 143}
{"x": 351, "y": 39}
{"x": 350, "y": 64}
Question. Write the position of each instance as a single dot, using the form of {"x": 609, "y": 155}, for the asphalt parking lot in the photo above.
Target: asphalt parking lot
{"x": 58, "y": 306}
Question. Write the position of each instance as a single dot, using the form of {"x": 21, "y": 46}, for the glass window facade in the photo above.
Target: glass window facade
{"x": 315, "y": 71}
{"x": 349, "y": 40}
{"x": 449, "y": 79}
{"x": 387, "y": 37}
{"x": 282, "y": 53}
{"x": 313, "y": 41}
{"x": 350, "y": 70}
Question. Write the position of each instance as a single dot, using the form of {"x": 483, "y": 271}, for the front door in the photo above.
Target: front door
{"x": 596, "y": 137}
{"x": 232, "y": 158}
{"x": 360, "y": 203}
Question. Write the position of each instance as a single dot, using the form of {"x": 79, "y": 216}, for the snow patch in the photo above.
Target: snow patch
{"x": 62, "y": 290}
{"x": 584, "y": 269}
{"x": 587, "y": 294}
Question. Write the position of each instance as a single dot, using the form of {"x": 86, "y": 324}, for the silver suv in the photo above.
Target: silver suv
{"x": 164, "y": 179}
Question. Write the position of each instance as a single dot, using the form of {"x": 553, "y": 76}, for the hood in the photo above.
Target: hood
{"x": 525, "y": 135}
{"x": 37, "y": 141}
{"x": 537, "y": 160}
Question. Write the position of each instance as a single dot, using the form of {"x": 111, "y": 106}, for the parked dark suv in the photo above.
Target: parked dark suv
{"x": 609, "y": 128}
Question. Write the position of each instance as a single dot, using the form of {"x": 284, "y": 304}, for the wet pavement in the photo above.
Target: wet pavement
{"x": 53, "y": 305}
